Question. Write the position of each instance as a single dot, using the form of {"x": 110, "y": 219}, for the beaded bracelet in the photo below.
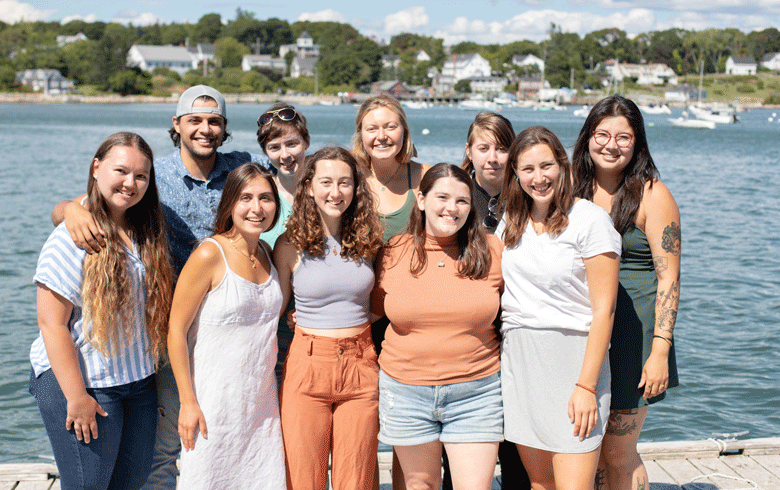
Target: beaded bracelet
{"x": 586, "y": 388}
{"x": 662, "y": 337}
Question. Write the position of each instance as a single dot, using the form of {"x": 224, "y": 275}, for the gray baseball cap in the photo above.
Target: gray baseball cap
{"x": 189, "y": 97}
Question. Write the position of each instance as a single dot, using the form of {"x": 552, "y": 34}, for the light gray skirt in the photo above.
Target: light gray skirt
{"x": 539, "y": 370}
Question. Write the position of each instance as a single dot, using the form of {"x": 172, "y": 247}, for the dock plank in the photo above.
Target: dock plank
{"x": 748, "y": 467}
{"x": 35, "y": 485}
{"x": 7, "y": 485}
{"x": 31, "y": 471}
{"x": 730, "y": 480}
{"x": 682, "y": 471}
{"x": 656, "y": 473}
{"x": 770, "y": 462}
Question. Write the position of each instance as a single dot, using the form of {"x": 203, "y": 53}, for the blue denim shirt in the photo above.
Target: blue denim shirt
{"x": 189, "y": 205}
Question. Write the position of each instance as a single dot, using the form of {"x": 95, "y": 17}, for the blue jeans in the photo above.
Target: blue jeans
{"x": 121, "y": 456}
{"x": 167, "y": 445}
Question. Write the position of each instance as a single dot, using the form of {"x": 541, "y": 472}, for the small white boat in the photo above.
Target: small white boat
{"x": 582, "y": 111}
{"x": 720, "y": 116}
{"x": 478, "y": 105}
{"x": 655, "y": 109}
{"x": 685, "y": 122}
{"x": 412, "y": 104}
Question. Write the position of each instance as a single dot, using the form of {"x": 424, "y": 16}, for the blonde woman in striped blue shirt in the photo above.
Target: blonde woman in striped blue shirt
{"x": 103, "y": 320}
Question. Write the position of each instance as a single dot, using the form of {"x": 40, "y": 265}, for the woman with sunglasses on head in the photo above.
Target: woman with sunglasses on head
{"x": 222, "y": 345}
{"x": 284, "y": 138}
{"x": 329, "y": 396}
{"x": 560, "y": 268}
{"x": 440, "y": 284}
{"x": 103, "y": 319}
{"x": 614, "y": 169}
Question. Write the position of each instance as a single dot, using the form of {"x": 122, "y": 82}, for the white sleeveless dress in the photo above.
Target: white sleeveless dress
{"x": 232, "y": 344}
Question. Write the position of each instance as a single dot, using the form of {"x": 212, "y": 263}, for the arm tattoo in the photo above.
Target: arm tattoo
{"x": 666, "y": 307}
{"x": 661, "y": 263}
{"x": 671, "y": 239}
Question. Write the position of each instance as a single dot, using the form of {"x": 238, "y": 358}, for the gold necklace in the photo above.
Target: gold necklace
{"x": 250, "y": 257}
{"x": 383, "y": 187}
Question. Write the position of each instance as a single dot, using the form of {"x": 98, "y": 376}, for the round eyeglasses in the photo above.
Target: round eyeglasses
{"x": 623, "y": 140}
{"x": 284, "y": 114}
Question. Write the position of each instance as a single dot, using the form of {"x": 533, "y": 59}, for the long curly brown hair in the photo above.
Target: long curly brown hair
{"x": 517, "y": 204}
{"x": 473, "y": 251}
{"x": 108, "y": 300}
{"x": 361, "y": 232}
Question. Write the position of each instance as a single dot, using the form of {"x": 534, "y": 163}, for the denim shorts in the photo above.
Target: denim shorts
{"x": 410, "y": 415}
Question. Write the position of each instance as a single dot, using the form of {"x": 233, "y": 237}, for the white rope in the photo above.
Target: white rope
{"x": 721, "y": 475}
{"x": 720, "y": 443}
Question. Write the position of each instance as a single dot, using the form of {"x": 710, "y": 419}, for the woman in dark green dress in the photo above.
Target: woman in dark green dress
{"x": 613, "y": 168}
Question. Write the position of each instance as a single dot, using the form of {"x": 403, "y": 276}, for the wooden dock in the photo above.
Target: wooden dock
{"x": 695, "y": 465}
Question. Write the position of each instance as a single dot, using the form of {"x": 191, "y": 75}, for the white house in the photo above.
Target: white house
{"x": 304, "y": 47}
{"x": 302, "y": 67}
{"x": 147, "y": 58}
{"x": 47, "y": 80}
{"x": 263, "y": 61}
{"x": 201, "y": 52}
{"x": 771, "y": 61}
{"x": 461, "y": 66}
{"x": 422, "y": 56}
{"x": 527, "y": 60}
{"x": 741, "y": 65}
{"x": 645, "y": 74}
{"x": 488, "y": 85}
{"x": 63, "y": 40}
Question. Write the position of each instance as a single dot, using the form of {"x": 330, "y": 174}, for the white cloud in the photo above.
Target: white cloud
{"x": 534, "y": 25}
{"x": 89, "y": 18}
{"x": 136, "y": 19}
{"x": 698, "y": 22}
{"x": 407, "y": 20}
{"x": 13, "y": 11}
{"x": 328, "y": 15}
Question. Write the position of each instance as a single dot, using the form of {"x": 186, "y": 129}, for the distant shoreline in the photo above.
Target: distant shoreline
{"x": 264, "y": 98}
{"x": 38, "y": 98}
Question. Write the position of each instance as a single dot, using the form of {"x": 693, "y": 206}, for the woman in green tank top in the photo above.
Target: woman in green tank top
{"x": 614, "y": 169}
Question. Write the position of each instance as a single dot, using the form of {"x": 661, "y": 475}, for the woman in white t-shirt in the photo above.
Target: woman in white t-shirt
{"x": 560, "y": 266}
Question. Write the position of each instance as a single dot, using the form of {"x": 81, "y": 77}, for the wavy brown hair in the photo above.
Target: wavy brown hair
{"x": 361, "y": 234}
{"x": 493, "y": 124}
{"x": 639, "y": 171}
{"x": 407, "y": 148}
{"x": 235, "y": 184}
{"x": 474, "y": 257}
{"x": 518, "y": 204}
{"x": 106, "y": 287}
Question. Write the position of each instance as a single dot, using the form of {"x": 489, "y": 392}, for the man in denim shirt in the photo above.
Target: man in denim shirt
{"x": 190, "y": 182}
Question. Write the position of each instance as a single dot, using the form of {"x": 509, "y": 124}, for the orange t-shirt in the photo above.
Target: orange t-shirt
{"x": 441, "y": 325}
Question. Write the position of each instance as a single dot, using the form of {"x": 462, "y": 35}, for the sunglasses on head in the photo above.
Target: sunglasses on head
{"x": 284, "y": 114}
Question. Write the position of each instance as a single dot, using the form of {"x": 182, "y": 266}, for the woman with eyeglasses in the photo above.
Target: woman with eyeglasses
{"x": 284, "y": 138}
{"x": 613, "y": 168}
{"x": 560, "y": 269}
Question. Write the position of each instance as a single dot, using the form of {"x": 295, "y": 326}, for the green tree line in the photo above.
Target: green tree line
{"x": 348, "y": 60}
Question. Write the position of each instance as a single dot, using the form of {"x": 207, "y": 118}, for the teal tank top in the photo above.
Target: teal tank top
{"x": 395, "y": 222}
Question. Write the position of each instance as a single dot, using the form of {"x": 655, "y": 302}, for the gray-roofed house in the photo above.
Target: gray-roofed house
{"x": 771, "y": 61}
{"x": 250, "y": 61}
{"x": 741, "y": 65}
{"x": 147, "y": 58}
{"x": 302, "y": 67}
{"x": 51, "y": 82}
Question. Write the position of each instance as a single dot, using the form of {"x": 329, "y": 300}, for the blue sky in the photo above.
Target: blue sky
{"x": 481, "y": 21}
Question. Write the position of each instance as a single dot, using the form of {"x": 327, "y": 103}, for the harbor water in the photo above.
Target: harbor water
{"x": 726, "y": 182}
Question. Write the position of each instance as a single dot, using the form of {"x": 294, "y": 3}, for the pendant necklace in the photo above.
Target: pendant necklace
{"x": 441, "y": 261}
{"x": 251, "y": 258}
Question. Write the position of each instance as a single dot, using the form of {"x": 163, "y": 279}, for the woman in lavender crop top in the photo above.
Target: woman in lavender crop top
{"x": 329, "y": 401}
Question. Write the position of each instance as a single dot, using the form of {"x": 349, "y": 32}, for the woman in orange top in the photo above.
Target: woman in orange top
{"x": 440, "y": 284}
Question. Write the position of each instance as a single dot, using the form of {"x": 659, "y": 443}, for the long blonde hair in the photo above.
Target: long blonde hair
{"x": 108, "y": 300}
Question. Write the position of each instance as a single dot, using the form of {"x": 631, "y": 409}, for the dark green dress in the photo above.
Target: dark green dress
{"x": 632, "y": 334}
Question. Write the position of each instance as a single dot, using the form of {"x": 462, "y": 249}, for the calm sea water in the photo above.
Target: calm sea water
{"x": 726, "y": 183}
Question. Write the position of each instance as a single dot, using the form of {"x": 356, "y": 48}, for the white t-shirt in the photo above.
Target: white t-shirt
{"x": 545, "y": 283}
